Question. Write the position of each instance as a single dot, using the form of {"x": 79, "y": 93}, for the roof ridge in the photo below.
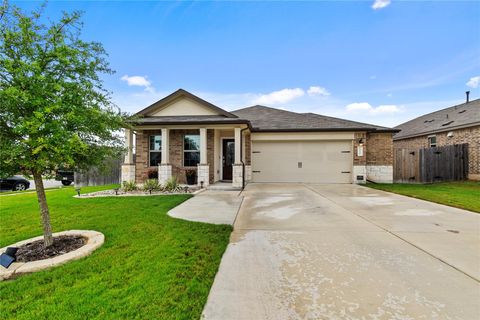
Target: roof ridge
{"x": 266, "y": 107}
{"x": 353, "y": 121}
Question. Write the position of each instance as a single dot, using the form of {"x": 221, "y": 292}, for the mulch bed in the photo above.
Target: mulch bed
{"x": 62, "y": 244}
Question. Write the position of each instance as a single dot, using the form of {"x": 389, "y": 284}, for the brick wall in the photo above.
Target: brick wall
{"x": 248, "y": 149}
{"x": 176, "y": 153}
{"x": 359, "y": 161}
{"x": 467, "y": 135}
{"x": 379, "y": 150}
{"x": 141, "y": 154}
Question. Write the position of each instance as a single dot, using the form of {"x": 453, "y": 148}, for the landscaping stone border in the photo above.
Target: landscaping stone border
{"x": 93, "y": 195}
{"x": 94, "y": 240}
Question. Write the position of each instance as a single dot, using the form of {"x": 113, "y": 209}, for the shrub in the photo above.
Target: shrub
{"x": 151, "y": 185}
{"x": 152, "y": 174}
{"x": 172, "y": 185}
{"x": 190, "y": 173}
{"x": 129, "y": 186}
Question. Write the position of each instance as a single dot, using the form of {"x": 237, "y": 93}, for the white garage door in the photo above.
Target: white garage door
{"x": 302, "y": 161}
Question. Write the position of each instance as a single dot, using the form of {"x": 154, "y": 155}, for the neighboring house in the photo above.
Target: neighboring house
{"x": 258, "y": 144}
{"x": 454, "y": 125}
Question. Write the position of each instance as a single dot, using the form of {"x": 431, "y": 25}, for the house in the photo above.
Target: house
{"x": 254, "y": 144}
{"x": 454, "y": 125}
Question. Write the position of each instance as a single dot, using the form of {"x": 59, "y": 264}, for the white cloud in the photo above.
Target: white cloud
{"x": 367, "y": 108}
{"x": 281, "y": 96}
{"x": 474, "y": 82}
{"x": 317, "y": 91}
{"x": 380, "y": 4}
{"x": 138, "y": 81}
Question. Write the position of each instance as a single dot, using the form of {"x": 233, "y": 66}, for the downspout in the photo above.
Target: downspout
{"x": 241, "y": 157}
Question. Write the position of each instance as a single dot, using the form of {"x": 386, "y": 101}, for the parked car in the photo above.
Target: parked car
{"x": 14, "y": 184}
{"x": 66, "y": 176}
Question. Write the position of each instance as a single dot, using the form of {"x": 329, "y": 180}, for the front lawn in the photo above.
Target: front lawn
{"x": 464, "y": 194}
{"x": 151, "y": 266}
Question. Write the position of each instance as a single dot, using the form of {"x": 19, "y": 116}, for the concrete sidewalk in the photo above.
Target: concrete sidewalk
{"x": 210, "y": 206}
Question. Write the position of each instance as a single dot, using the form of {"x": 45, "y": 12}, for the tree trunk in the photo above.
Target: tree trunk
{"x": 44, "y": 212}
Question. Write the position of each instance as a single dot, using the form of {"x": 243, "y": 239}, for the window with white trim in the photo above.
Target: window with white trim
{"x": 191, "y": 150}
{"x": 432, "y": 141}
{"x": 155, "y": 150}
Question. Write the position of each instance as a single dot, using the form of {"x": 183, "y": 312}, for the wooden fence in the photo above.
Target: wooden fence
{"x": 110, "y": 174}
{"x": 447, "y": 163}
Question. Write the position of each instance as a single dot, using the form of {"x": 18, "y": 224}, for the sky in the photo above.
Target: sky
{"x": 380, "y": 61}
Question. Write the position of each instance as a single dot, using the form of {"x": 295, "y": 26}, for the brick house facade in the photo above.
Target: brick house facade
{"x": 469, "y": 135}
{"x": 258, "y": 144}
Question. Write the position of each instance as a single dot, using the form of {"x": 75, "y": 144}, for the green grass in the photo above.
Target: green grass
{"x": 151, "y": 266}
{"x": 464, "y": 195}
{"x": 2, "y": 193}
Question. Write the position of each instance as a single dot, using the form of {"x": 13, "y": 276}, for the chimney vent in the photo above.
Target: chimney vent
{"x": 467, "y": 93}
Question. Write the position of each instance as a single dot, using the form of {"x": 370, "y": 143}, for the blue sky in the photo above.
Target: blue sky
{"x": 380, "y": 62}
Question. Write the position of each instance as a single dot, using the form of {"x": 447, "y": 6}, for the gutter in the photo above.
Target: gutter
{"x": 241, "y": 157}
{"x": 327, "y": 130}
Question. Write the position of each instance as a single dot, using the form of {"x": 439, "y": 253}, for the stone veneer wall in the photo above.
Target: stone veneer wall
{"x": 380, "y": 157}
{"x": 176, "y": 153}
{"x": 466, "y": 135}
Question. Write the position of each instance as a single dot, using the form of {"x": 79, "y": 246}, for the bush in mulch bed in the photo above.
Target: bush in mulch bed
{"x": 34, "y": 251}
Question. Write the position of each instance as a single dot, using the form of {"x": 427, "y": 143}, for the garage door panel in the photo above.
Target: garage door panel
{"x": 302, "y": 161}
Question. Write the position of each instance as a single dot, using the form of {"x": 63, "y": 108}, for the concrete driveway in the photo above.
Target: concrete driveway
{"x": 347, "y": 252}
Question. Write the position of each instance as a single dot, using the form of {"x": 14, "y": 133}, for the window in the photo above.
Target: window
{"x": 191, "y": 150}
{"x": 155, "y": 151}
{"x": 432, "y": 141}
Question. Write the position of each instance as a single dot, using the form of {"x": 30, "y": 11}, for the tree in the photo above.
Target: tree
{"x": 54, "y": 109}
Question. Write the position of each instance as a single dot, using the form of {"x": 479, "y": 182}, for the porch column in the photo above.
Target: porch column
{"x": 128, "y": 167}
{"x": 165, "y": 146}
{"x": 203, "y": 146}
{"x": 165, "y": 168}
{"x": 203, "y": 168}
{"x": 129, "y": 146}
{"x": 237, "y": 179}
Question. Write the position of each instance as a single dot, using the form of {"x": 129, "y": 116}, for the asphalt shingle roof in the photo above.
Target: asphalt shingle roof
{"x": 270, "y": 119}
{"x": 459, "y": 116}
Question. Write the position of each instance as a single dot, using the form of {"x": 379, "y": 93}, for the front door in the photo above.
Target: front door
{"x": 228, "y": 156}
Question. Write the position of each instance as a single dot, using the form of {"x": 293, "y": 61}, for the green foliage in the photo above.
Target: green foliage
{"x": 129, "y": 186}
{"x": 462, "y": 194}
{"x": 151, "y": 185}
{"x": 54, "y": 109}
{"x": 190, "y": 173}
{"x": 171, "y": 185}
{"x": 151, "y": 266}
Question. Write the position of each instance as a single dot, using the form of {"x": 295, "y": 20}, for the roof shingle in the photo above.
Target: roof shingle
{"x": 270, "y": 119}
{"x": 451, "y": 118}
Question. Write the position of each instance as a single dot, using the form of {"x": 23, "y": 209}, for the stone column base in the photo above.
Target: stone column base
{"x": 164, "y": 173}
{"x": 128, "y": 173}
{"x": 359, "y": 172}
{"x": 380, "y": 174}
{"x": 203, "y": 175}
{"x": 237, "y": 176}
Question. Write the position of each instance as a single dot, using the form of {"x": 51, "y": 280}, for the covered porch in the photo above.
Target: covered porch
{"x": 214, "y": 152}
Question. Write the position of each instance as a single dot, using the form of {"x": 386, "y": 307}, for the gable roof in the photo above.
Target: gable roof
{"x": 270, "y": 119}
{"x": 460, "y": 116}
{"x": 180, "y": 93}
